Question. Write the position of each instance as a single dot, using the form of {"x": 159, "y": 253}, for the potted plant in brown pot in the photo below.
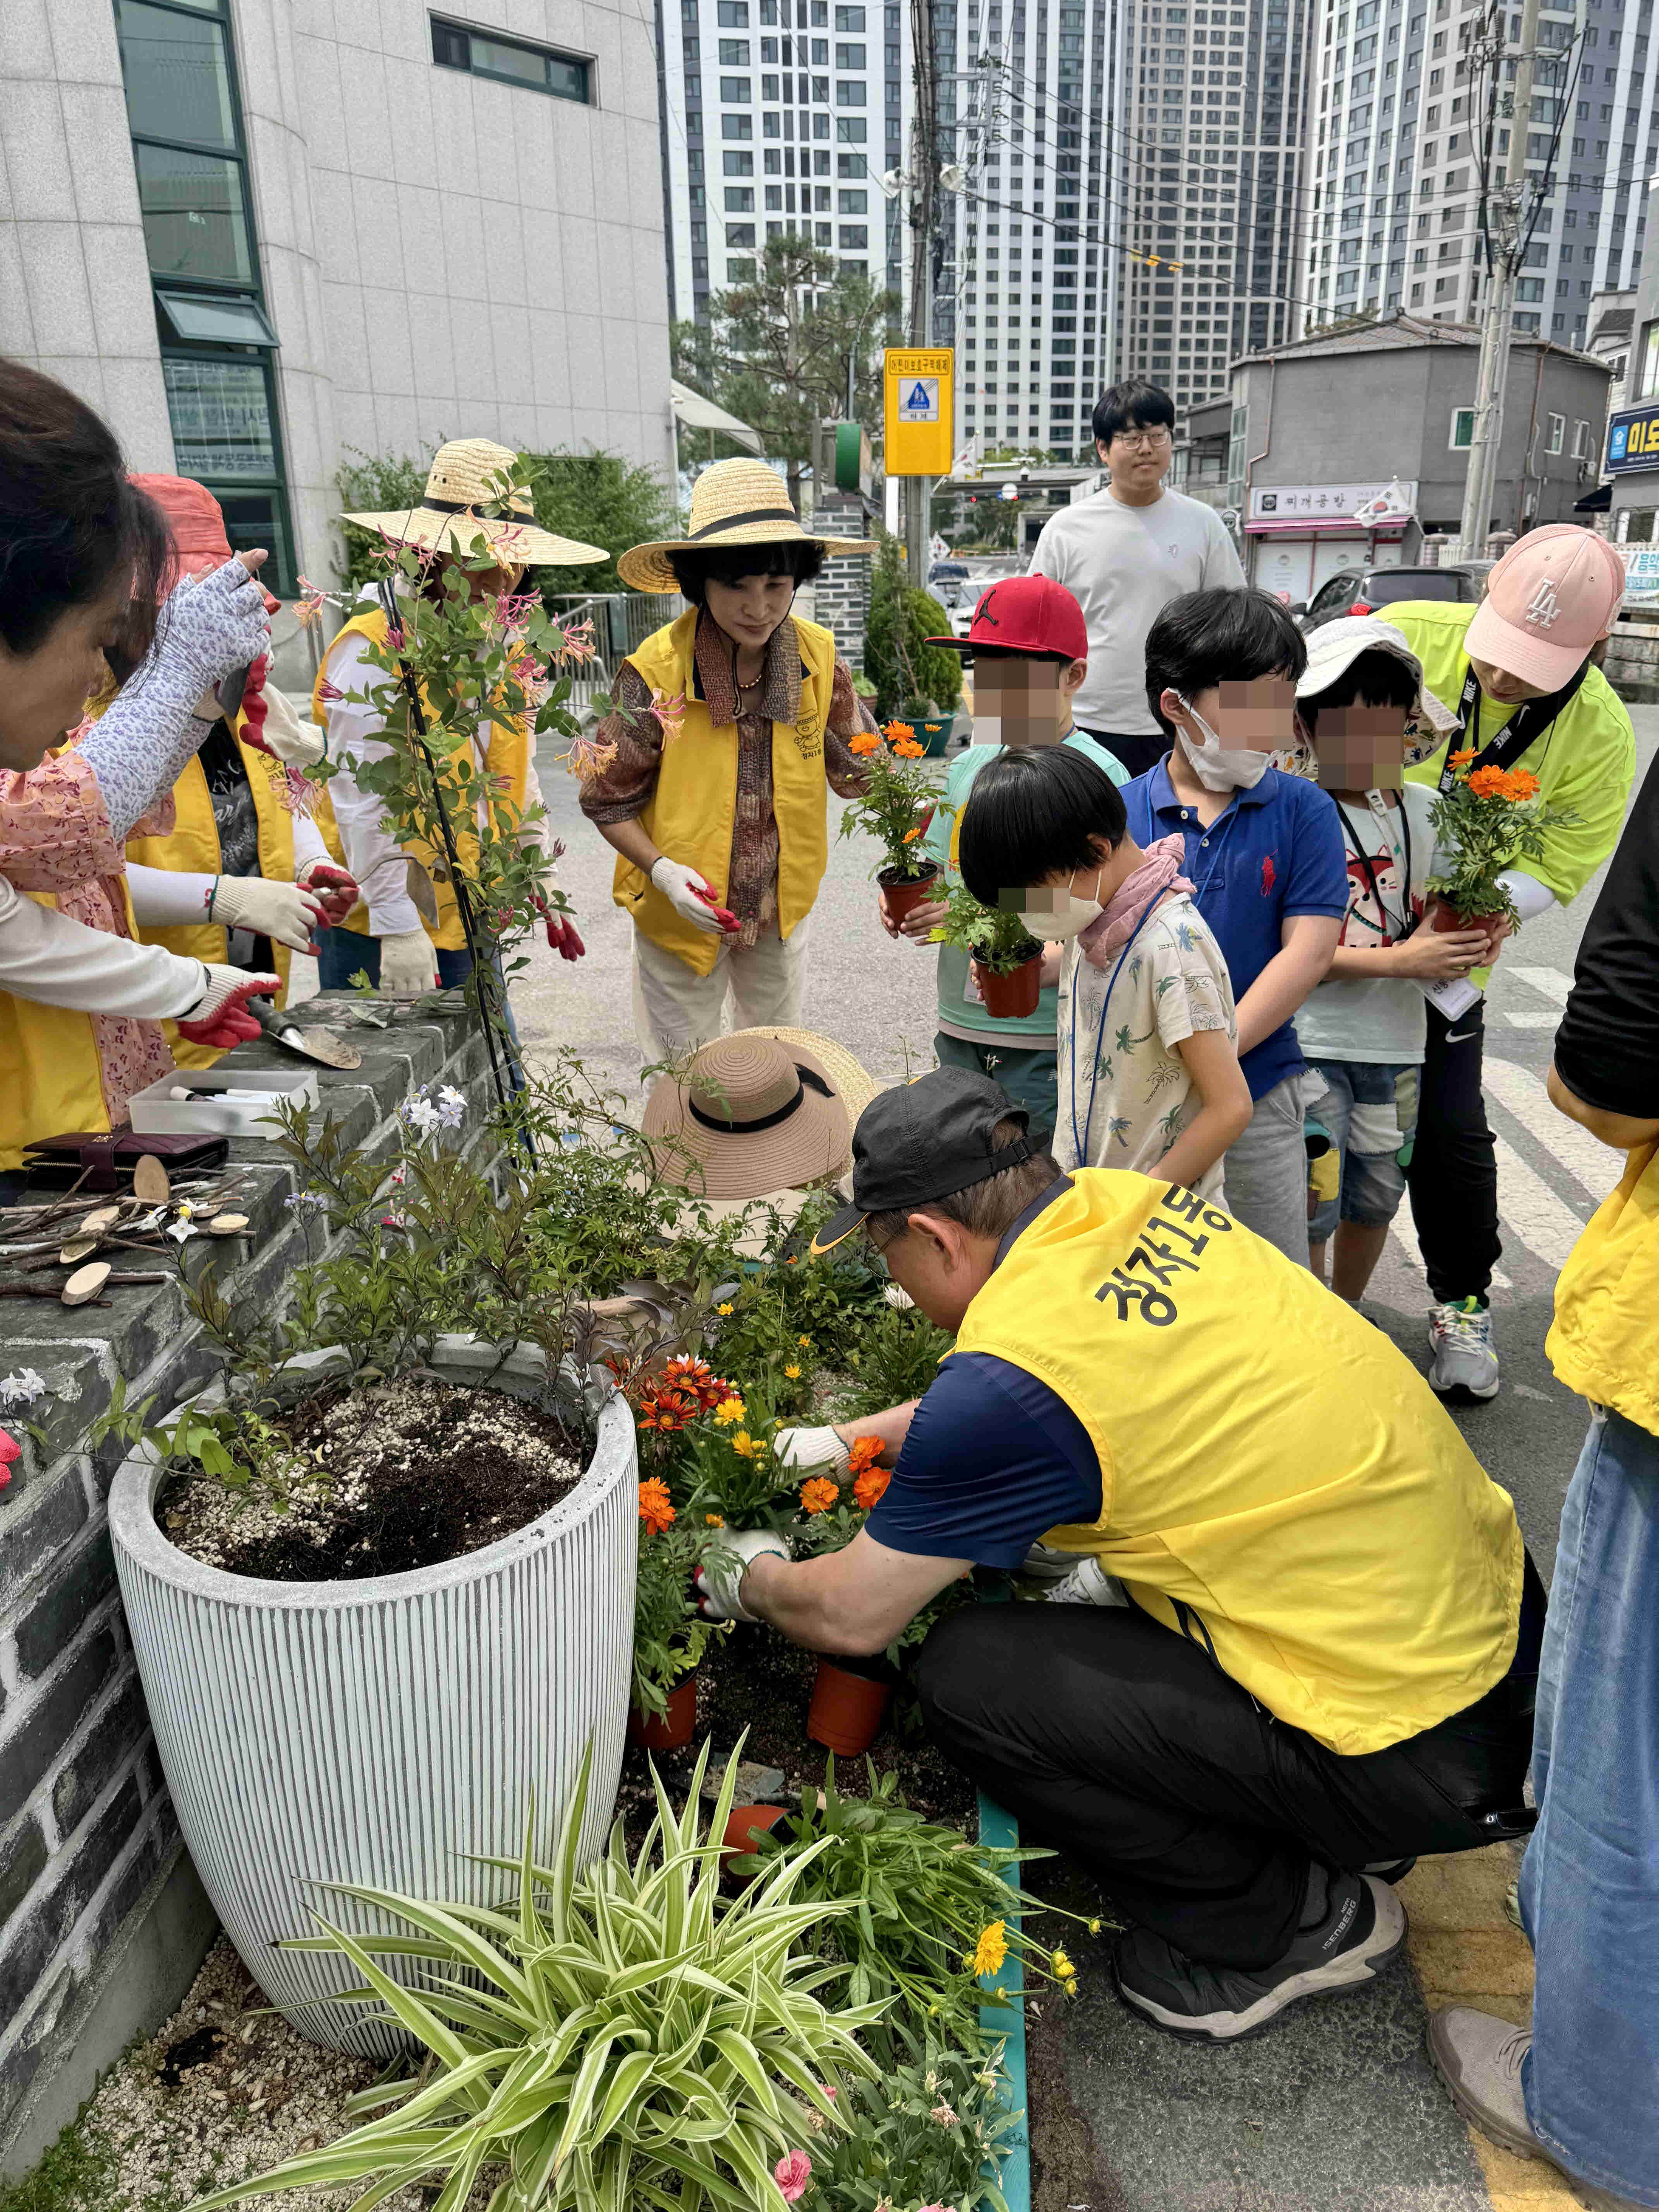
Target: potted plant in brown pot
{"x": 898, "y": 799}
{"x": 670, "y": 1635}
{"x": 1007, "y": 960}
{"x": 1490, "y": 818}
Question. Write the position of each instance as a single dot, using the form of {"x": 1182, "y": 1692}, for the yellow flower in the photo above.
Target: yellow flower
{"x": 713, "y": 1521}
{"x": 793, "y": 1374}
{"x": 804, "y": 1342}
{"x": 1093, "y": 1927}
{"x": 722, "y": 1310}
{"x": 748, "y": 1447}
{"x": 1062, "y": 1966}
{"x": 729, "y": 1410}
{"x": 988, "y": 1953}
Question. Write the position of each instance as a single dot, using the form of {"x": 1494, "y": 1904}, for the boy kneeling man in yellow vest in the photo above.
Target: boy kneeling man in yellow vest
{"x": 1301, "y": 1643}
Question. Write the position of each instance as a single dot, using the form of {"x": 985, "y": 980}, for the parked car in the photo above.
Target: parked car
{"x": 947, "y": 572}
{"x": 1370, "y": 591}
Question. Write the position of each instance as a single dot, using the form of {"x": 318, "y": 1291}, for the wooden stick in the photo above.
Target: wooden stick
{"x": 38, "y": 1290}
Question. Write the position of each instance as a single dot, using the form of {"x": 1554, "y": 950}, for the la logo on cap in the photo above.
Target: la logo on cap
{"x": 1543, "y": 606}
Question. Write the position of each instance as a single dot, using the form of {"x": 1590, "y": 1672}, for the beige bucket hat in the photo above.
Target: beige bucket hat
{"x": 466, "y": 475}
{"x": 762, "y": 1110}
{"x": 736, "y": 502}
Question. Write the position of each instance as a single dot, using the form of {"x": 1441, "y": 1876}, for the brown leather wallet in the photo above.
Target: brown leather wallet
{"x": 111, "y": 1155}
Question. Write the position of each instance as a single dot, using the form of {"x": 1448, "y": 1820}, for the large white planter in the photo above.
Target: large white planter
{"x": 379, "y": 1731}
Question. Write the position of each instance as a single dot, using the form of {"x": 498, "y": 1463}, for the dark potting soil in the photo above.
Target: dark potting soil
{"x": 419, "y": 1471}
{"x": 754, "y": 1685}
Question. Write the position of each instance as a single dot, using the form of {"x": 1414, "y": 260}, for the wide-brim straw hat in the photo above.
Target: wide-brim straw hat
{"x": 466, "y": 475}
{"x": 762, "y": 1110}
{"x": 735, "y": 502}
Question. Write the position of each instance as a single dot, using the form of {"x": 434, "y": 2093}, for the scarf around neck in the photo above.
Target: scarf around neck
{"x": 1157, "y": 876}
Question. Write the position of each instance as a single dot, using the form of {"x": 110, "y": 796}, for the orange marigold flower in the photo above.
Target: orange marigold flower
{"x": 870, "y": 1486}
{"x": 1461, "y": 759}
{"x": 1487, "y": 782}
{"x": 656, "y": 1507}
{"x": 818, "y": 1494}
{"x": 863, "y": 1452}
{"x": 865, "y": 742}
{"x": 713, "y": 1521}
{"x": 911, "y": 835}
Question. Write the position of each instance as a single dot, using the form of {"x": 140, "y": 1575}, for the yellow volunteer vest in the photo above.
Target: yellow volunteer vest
{"x": 193, "y": 848}
{"x": 1270, "y": 1464}
{"x": 507, "y": 763}
{"x": 1604, "y": 1341}
{"x": 49, "y": 1080}
{"x": 694, "y": 806}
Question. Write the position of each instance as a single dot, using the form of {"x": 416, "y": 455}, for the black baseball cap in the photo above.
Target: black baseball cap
{"x": 924, "y": 1141}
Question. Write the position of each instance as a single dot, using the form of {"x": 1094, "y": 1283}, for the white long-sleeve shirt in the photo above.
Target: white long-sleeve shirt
{"x": 47, "y": 957}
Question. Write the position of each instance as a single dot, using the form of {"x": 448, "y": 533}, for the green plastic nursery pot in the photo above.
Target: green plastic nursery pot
{"x": 847, "y": 1709}
{"x": 738, "y": 1839}
{"x": 1012, "y": 995}
{"x": 899, "y": 893}
{"x": 673, "y": 1730}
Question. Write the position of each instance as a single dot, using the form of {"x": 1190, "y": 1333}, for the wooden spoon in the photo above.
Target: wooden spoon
{"x": 84, "y": 1284}
{"x": 150, "y": 1180}
{"x": 78, "y": 1248}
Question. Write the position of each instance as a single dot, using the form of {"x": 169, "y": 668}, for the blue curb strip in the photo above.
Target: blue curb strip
{"x": 1006, "y": 2021}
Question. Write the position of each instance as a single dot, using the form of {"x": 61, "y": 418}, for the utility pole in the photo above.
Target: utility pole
{"x": 1506, "y": 213}
{"x": 924, "y": 185}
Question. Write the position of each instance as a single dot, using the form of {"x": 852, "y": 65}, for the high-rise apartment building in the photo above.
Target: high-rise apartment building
{"x": 1214, "y": 118}
{"x": 778, "y": 116}
{"x": 1394, "y": 212}
{"x": 1028, "y": 288}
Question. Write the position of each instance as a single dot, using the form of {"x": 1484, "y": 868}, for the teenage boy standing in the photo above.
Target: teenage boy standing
{"x": 1125, "y": 553}
{"x": 1030, "y": 653}
{"x": 1517, "y": 670}
{"x": 1265, "y": 853}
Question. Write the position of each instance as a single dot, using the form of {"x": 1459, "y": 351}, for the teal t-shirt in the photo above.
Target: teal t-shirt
{"x": 960, "y": 1011}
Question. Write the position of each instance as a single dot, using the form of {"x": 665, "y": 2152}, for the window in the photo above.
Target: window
{"x": 739, "y": 199}
{"x": 849, "y": 95}
{"x": 850, "y": 19}
{"x": 853, "y": 235}
{"x": 508, "y": 61}
{"x": 850, "y": 57}
{"x": 739, "y": 234}
{"x": 735, "y": 89}
{"x": 735, "y": 53}
{"x": 1558, "y": 433}
{"x": 737, "y": 164}
{"x": 1581, "y": 441}
{"x": 1463, "y": 429}
{"x": 856, "y": 203}
{"x": 737, "y": 126}
{"x": 733, "y": 15}
{"x": 850, "y": 130}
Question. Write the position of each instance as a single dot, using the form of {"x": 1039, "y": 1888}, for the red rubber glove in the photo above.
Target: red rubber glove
{"x": 10, "y": 1451}
{"x": 562, "y": 933}
{"x": 723, "y": 915}
{"x": 333, "y": 885}
{"x": 220, "y": 1017}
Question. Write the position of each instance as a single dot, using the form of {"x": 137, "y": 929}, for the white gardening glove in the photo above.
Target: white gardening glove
{"x": 409, "y": 966}
{"x": 723, "y": 1566}
{"x": 280, "y": 910}
{"x": 806, "y": 1447}
{"x": 220, "y": 1018}
{"x": 679, "y": 885}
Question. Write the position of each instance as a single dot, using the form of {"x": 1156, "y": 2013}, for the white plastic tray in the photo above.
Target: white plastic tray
{"x": 154, "y": 1114}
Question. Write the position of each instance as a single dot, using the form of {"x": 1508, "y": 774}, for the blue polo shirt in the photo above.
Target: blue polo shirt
{"x": 1276, "y": 852}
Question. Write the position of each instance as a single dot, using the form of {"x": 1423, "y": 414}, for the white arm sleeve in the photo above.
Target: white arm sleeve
{"x": 1531, "y": 897}
{"x": 372, "y": 853}
{"x": 539, "y": 833}
{"x": 168, "y": 898}
{"x": 308, "y": 844}
{"x": 47, "y": 957}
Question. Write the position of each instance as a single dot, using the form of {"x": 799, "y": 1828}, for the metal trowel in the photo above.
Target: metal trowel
{"x": 321, "y": 1047}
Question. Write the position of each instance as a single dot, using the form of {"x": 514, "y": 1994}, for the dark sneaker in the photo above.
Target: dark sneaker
{"x": 1363, "y": 1928}
{"x": 1393, "y": 1871}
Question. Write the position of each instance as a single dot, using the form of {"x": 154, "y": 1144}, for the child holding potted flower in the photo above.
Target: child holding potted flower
{"x": 1148, "y": 1066}
{"x": 1030, "y": 650}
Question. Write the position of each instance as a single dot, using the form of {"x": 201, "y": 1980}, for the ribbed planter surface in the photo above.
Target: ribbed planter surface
{"x": 379, "y": 1731}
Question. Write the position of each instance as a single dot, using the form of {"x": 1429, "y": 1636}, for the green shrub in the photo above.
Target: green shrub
{"x": 903, "y": 669}
{"x": 931, "y": 2131}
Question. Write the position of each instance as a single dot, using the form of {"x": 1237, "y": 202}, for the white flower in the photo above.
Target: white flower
{"x": 183, "y": 1227}
{"x": 21, "y": 1390}
{"x": 451, "y": 1107}
{"x": 419, "y": 1113}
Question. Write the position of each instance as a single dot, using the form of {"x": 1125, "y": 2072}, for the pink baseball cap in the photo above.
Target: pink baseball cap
{"x": 1554, "y": 594}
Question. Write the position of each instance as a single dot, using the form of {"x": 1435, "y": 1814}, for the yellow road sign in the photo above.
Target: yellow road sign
{"x": 919, "y": 386}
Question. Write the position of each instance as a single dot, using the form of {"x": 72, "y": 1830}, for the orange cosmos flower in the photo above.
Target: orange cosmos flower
{"x": 863, "y": 743}
{"x": 895, "y": 731}
{"x": 1520, "y": 784}
{"x": 870, "y": 1486}
{"x": 656, "y": 1507}
{"x": 908, "y": 748}
{"x": 1461, "y": 759}
{"x": 863, "y": 1452}
{"x": 818, "y": 1494}
{"x": 1488, "y": 782}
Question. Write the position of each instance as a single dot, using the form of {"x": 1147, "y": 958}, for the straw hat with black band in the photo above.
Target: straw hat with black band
{"x": 467, "y": 475}
{"x": 758, "y": 1112}
{"x": 733, "y": 504}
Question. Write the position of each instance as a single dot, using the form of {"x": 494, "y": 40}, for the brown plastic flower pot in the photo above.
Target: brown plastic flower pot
{"x": 1447, "y": 919}
{"x": 1011, "y": 996}
{"x": 847, "y": 1709}
{"x": 673, "y": 1730}
{"x": 899, "y": 893}
{"x": 736, "y": 1839}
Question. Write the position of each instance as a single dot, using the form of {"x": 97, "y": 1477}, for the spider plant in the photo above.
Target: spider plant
{"x": 614, "y": 2037}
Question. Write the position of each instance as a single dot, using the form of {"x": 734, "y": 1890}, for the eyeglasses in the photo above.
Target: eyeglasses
{"x": 1148, "y": 442}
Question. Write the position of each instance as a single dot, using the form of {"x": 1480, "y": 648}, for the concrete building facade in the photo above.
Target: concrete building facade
{"x": 1392, "y": 215}
{"x": 1323, "y": 424}
{"x": 260, "y": 237}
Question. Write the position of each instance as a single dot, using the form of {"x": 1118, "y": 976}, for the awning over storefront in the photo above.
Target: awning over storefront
{"x": 1333, "y": 526}
{"x": 1594, "y": 502}
{"x": 697, "y": 413}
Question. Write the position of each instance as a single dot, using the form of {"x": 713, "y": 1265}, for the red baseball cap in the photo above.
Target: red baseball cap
{"x": 1025, "y": 614}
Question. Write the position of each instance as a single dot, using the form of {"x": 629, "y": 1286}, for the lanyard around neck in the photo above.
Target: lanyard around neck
{"x": 1533, "y": 717}
{"x": 1100, "y": 1033}
{"x": 1364, "y": 861}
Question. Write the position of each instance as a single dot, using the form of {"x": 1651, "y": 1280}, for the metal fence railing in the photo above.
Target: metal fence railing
{"x": 621, "y": 621}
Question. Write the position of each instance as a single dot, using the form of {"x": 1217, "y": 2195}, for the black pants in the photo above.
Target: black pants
{"x": 1137, "y": 753}
{"x": 1125, "y": 1746}
{"x": 1453, "y": 1176}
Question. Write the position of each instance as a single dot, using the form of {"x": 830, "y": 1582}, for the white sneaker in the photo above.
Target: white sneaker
{"x": 1465, "y": 1357}
{"x": 1088, "y": 1583}
{"x": 1044, "y": 1563}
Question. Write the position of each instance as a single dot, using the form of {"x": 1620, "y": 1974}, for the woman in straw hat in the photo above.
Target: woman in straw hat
{"x": 470, "y": 480}
{"x": 712, "y": 778}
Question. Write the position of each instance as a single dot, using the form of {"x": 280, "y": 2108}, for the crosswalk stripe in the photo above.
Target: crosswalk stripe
{"x": 1548, "y": 982}
{"x": 1545, "y": 1224}
{"x": 1404, "y": 1237}
{"x": 1596, "y": 1166}
{"x": 1551, "y": 1020}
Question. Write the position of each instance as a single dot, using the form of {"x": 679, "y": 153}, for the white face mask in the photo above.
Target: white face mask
{"x": 1217, "y": 767}
{"x": 1069, "y": 919}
